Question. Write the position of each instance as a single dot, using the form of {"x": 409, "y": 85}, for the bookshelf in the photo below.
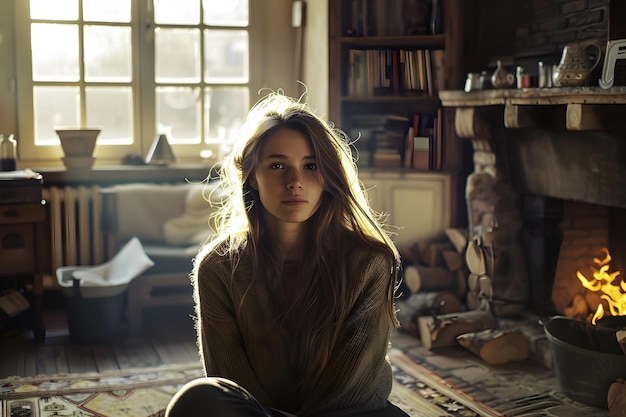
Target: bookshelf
{"x": 388, "y": 61}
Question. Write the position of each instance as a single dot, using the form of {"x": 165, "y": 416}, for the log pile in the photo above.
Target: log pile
{"x": 448, "y": 300}
{"x": 484, "y": 266}
{"x": 496, "y": 346}
{"x": 434, "y": 281}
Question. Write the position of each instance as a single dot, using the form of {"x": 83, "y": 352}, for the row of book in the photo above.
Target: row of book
{"x": 380, "y": 72}
{"x": 395, "y": 141}
{"x": 393, "y": 18}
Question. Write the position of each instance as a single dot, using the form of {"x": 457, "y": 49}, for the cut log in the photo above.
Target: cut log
{"x": 410, "y": 254}
{"x": 475, "y": 258}
{"x": 411, "y": 278}
{"x": 616, "y": 399}
{"x": 621, "y": 339}
{"x": 473, "y": 302}
{"x": 442, "y": 330}
{"x": 480, "y": 292}
{"x": 538, "y": 344}
{"x": 425, "y": 303}
{"x": 432, "y": 278}
{"x": 458, "y": 238}
{"x": 453, "y": 260}
{"x": 495, "y": 346}
{"x": 461, "y": 283}
{"x": 431, "y": 253}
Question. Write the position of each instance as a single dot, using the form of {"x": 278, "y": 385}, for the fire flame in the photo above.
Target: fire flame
{"x": 603, "y": 281}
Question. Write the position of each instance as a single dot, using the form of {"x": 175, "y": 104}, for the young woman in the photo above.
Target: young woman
{"x": 295, "y": 295}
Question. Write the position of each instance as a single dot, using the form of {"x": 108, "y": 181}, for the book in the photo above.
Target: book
{"x": 437, "y": 69}
{"x": 382, "y": 17}
{"x": 421, "y": 153}
{"x": 429, "y": 72}
{"x": 387, "y": 158}
{"x": 408, "y": 153}
{"x": 420, "y": 65}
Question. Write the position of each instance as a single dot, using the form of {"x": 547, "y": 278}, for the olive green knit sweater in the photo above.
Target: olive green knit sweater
{"x": 243, "y": 344}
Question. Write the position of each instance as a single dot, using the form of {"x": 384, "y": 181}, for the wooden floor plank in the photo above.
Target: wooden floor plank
{"x": 29, "y": 353}
{"x": 47, "y": 359}
{"x": 135, "y": 354}
{"x": 8, "y": 366}
{"x": 171, "y": 342}
{"x": 105, "y": 358}
{"x": 173, "y": 351}
{"x": 80, "y": 359}
{"x": 192, "y": 349}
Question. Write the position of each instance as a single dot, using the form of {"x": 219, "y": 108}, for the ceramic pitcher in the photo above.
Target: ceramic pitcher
{"x": 575, "y": 65}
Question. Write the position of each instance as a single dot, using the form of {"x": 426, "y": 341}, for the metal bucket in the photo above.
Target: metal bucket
{"x": 587, "y": 359}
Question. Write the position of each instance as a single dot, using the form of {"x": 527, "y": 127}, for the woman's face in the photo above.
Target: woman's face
{"x": 287, "y": 179}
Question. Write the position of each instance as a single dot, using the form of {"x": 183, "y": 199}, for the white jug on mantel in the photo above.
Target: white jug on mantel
{"x": 575, "y": 66}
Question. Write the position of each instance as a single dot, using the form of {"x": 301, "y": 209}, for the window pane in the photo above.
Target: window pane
{"x": 108, "y": 54}
{"x": 54, "y": 107}
{"x": 225, "y": 110}
{"x": 111, "y": 109}
{"x": 54, "y": 9}
{"x": 106, "y": 11}
{"x": 54, "y": 52}
{"x": 226, "y": 56}
{"x": 178, "y": 114}
{"x": 186, "y": 12}
{"x": 177, "y": 55}
{"x": 226, "y": 12}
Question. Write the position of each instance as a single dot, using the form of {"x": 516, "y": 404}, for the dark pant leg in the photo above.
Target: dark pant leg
{"x": 390, "y": 411}
{"x": 204, "y": 397}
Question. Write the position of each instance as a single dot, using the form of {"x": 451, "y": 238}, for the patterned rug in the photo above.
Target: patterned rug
{"x": 133, "y": 393}
{"x": 421, "y": 393}
{"x": 146, "y": 392}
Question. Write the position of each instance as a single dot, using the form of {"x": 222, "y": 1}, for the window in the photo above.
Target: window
{"x": 135, "y": 69}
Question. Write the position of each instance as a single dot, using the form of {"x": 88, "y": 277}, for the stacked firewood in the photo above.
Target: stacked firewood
{"x": 447, "y": 300}
{"x": 434, "y": 282}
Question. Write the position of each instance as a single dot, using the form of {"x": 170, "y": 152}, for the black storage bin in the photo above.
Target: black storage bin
{"x": 94, "y": 314}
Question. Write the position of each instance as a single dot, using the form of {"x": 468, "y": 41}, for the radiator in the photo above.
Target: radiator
{"x": 75, "y": 232}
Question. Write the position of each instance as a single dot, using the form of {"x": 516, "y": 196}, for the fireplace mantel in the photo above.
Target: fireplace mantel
{"x": 567, "y": 143}
{"x": 587, "y": 108}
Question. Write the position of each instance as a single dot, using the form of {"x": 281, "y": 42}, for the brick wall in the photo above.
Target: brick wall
{"x": 585, "y": 229}
{"x": 555, "y": 23}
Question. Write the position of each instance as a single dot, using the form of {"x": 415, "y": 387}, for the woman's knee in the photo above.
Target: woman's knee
{"x": 214, "y": 396}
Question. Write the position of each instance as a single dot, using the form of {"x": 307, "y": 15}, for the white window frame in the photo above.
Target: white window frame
{"x": 143, "y": 84}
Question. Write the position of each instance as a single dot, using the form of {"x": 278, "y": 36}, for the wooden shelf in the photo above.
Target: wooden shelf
{"x": 376, "y": 42}
{"x": 105, "y": 176}
{"x": 392, "y": 99}
{"x": 587, "y": 108}
{"x": 534, "y": 96}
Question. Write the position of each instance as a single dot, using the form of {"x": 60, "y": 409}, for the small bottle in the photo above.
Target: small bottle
{"x": 8, "y": 151}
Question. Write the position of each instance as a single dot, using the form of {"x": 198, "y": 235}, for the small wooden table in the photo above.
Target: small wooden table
{"x": 24, "y": 238}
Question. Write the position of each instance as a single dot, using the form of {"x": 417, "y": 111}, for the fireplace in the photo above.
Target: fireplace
{"x": 550, "y": 172}
{"x": 556, "y": 159}
{"x": 565, "y": 239}
{"x": 573, "y": 186}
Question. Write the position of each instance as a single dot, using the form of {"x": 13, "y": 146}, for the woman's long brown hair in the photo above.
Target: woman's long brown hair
{"x": 344, "y": 215}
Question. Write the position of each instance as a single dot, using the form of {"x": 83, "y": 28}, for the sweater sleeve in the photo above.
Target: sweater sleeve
{"x": 358, "y": 375}
{"x": 220, "y": 341}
